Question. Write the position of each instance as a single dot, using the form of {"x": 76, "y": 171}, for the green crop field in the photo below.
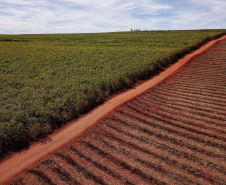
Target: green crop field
{"x": 47, "y": 80}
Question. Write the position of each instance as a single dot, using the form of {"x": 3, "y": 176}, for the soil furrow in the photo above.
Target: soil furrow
{"x": 41, "y": 176}
{"x": 202, "y": 111}
{"x": 164, "y": 159}
{"x": 204, "y": 76}
{"x": 157, "y": 131}
{"x": 219, "y": 108}
{"x": 189, "y": 119}
{"x": 190, "y": 82}
{"x": 92, "y": 168}
{"x": 198, "y": 120}
{"x": 180, "y": 131}
{"x": 174, "y": 101}
{"x": 130, "y": 130}
{"x": 205, "y": 91}
{"x": 121, "y": 161}
{"x": 193, "y": 123}
{"x": 201, "y": 87}
{"x": 146, "y": 160}
{"x": 73, "y": 172}
{"x": 50, "y": 165}
{"x": 168, "y": 138}
{"x": 114, "y": 174}
{"x": 197, "y": 92}
{"x": 128, "y": 177}
{"x": 87, "y": 174}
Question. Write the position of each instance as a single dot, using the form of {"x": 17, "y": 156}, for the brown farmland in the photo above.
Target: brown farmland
{"x": 173, "y": 134}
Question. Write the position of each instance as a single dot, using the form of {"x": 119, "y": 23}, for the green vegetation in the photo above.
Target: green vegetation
{"x": 47, "y": 80}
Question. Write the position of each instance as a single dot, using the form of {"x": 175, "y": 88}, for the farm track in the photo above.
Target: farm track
{"x": 172, "y": 134}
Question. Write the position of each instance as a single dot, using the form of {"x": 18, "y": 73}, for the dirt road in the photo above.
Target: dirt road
{"x": 24, "y": 160}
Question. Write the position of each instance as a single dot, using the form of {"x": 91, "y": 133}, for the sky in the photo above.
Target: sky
{"x": 91, "y": 16}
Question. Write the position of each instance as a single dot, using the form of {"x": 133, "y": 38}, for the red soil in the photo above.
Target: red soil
{"x": 15, "y": 164}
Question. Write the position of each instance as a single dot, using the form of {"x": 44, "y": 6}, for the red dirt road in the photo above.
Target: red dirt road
{"x": 22, "y": 161}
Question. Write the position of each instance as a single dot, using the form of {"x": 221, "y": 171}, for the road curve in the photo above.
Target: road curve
{"x": 21, "y": 161}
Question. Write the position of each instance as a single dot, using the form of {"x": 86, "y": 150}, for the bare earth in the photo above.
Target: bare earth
{"x": 174, "y": 133}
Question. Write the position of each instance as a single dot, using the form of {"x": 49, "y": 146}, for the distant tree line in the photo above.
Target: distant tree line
{"x": 137, "y": 30}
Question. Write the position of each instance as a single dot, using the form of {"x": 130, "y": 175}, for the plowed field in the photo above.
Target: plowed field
{"x": 173, "y": 134}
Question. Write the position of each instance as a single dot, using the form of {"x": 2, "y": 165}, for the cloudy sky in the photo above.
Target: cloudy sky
{"x": 81, "y": 16}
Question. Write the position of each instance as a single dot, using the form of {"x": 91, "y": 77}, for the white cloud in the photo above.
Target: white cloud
{"x": 71, "y": 16}
{"x": 199, "y": 14}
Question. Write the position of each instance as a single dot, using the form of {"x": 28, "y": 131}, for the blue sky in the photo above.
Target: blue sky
{"x": 85, "y": 16}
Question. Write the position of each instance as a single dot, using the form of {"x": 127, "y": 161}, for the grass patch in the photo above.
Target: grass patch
{"x": 48, "y": 80}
